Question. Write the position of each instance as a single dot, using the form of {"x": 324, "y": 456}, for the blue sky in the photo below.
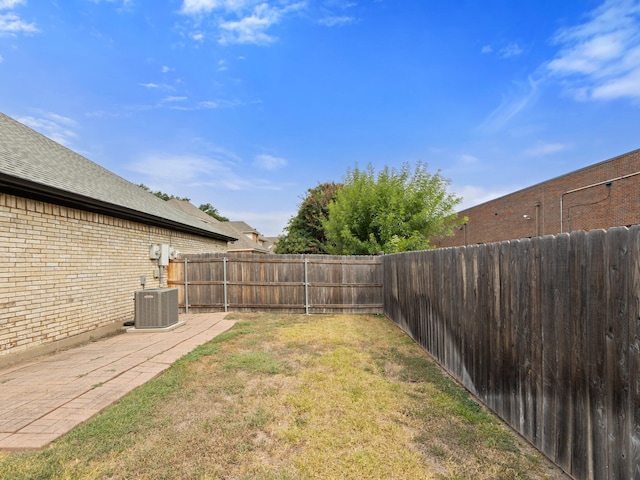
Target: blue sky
{"x": 246, "y": 104}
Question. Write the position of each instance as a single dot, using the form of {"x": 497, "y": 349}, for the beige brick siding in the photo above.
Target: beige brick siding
{"x": 65, "y": 272}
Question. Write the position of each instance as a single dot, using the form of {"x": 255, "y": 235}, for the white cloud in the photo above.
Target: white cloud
{"x": 191, "y": 7}
{"x": 52, "y": 125}
{"x": 239, "y": 21}
{"x": 104, "y": 114}
{"x": 213, "y": 175}
{"x": 333, "y": 21}
{"x": 207, "y": 105}
{"x": 600, "y": 58}
{"x": 196, "y": 7}
{"x": 269, "y": 162}
{"x": 468, "y": 159}
{"x": 508, "y": 51}
{"x": 545, "y": 149}
{"x": 11, "y": 24}
{"x": 158, "y": 86}
{"x": 510, "y": 107}
{"x": 511, "y": 50}
{"x": 333, "y": 13}
{"x": 165, "y": 169}
{"x": 473, "y": 195}
{"x": 173, "y": 99}
{"x": 627, "y": 85}
{"x": 1, "y": 59}
{"x": 9, "y": 4}
{"x": 60, "y": 119}
{"x": 166, "y": 69}
{"x": 182, "y": 173}
{"x": 126, "y": 4}
{"x": 252, "y": 28}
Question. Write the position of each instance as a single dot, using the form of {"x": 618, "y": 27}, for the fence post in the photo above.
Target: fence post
{"x": 186, "y": 286}
{"x": 224, "y": 273}
{"x": 306, "y": 286}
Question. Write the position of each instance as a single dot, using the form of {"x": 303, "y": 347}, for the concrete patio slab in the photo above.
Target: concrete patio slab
{"x": 47, "y": 397}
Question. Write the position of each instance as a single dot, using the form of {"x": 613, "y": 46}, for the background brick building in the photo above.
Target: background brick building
{"x": 603, "y": 195}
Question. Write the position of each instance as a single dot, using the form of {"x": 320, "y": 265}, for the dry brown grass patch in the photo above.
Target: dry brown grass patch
{"x": 294, "y": 397}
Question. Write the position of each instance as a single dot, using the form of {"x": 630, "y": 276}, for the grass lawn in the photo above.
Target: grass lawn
{"x": 292, "y": 397}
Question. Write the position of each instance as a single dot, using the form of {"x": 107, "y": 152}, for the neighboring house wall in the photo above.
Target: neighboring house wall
{"x": 611, "y": 198}
{"x": 67, "y": 275}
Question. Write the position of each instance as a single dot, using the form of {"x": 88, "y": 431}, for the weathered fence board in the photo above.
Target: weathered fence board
{"x": 618, "y": 296}
{"x": 634, "y": 358}
{"x": 544, "y": 331}
{"x": 563, "y": 397}
{"x": 596, "y": 325}
{"x": 548, "y": 284}
{"x": 579, "y": 394}
{"x": 283, "y": 283}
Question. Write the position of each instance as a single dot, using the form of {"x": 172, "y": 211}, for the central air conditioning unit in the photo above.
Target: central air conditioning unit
{"x": 156, "y": 308}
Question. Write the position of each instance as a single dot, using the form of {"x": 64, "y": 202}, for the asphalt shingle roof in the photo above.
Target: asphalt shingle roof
{"x": 35, "y": 166}
{"x": 242, "y": 244}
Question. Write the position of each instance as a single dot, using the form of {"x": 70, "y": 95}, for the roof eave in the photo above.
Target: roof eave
{"x": 36, "y": 191}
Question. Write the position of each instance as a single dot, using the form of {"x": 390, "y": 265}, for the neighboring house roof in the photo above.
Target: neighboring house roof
{"x": 244, "y": 227}
{"x": 242, "y": 243}
{"x": 270, "y": 243}
{"x": 34, "y": 166}
{"x": 252, "y": 234}
{"x": 188, "y": 207}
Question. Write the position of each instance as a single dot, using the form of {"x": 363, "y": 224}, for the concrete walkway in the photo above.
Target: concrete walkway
{"x": 45, "y": 398}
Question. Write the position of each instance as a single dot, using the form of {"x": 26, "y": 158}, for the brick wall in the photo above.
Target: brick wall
{"x": 535, "y": 211}
{"x": 65, "y": 273}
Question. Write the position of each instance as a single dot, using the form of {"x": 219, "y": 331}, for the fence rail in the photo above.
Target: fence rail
{"x": 283, "y": 283}
{"x": 544, "y": 331}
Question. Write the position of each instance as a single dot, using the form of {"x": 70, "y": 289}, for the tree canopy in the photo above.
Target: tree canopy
{"x": 305, "y": 231}
{"x": 206, "y": 207}
{"x": 162, "y": 195}
{"x": 213, "y": 212}
{"x": 395, "y": 211}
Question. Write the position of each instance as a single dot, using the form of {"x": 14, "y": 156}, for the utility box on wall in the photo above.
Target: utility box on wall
{"x": 163, "y": 253}
{"x": 163, "y": 261}
{"x": 156, "y": 308}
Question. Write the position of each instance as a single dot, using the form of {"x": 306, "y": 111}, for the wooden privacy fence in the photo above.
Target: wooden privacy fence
{"x": 544, "y": 331}
{"x": 283, "y": 283}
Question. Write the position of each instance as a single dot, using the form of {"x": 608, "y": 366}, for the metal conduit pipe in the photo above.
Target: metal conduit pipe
{"x": 590, "y": 186}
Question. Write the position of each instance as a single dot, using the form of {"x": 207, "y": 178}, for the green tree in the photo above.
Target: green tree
{"x": 213, "y": 212}
{"x": 397, "y": 211}
{"x": 206, "y": 207}
{"x": 305, "y": 231}
{"x": 162, "y": 195}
